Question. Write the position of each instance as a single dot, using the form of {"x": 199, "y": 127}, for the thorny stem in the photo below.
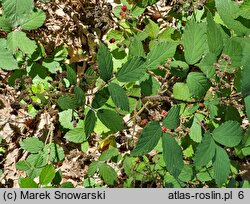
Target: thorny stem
{"x": 134, "y": 121}
{"x": 139, "y": 112}
{"x": 50, "y": 136}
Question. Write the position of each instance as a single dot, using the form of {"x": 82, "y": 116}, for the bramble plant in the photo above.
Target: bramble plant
{"x": 188, "y": 84}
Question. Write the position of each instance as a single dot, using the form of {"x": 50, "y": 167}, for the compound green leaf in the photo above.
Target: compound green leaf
{"x": 172, "y": 182}
{"x": 56, "y": 153}
{"x": 79, "y": 96}
{"x": 246, "y": 138}
{"x": 221, "y": 164}
{"x": 7, "y": 61}
{"x": 34, "y": 21}
{"x": 137, "y": 11}
{"x": 119, "y": 96}
{"x": 93, "y": 168}
{"x": 212, "y": 106}
{"x": 126, "y": 3}
{"x": 172, "y": 120}
{"x": 51, "y": 65}
{"x": 18, "y": 39}
{"x": 37, "y": 160}
{"x": 244, "y": 9}
{"x": 228, "y": 112}
{"x": 133, "y": 70}
{"x": 58, "y": 177}
{"x": 245, "y": 82}
{"x": 110, "y": 119}
{"x": 60, "y": 53}
{"x": 181, "y": 92}
{"x": 4, "y": 24}
{"x": 71, "y": 75}
{"x": 105, "y": 63}
{"x": 214, "y": 36}
{"x": 17, "y": 11}
{"x": 88, "y": 183}
{"x": 27, "y": 183}
{"x": 246, "y": 151}
{"x": 90, "y": 122}
{"x": 150, "y": 86}
{"x": 234, "y": 50}
{"x": 205, "y": 151}
{"x": 136, "y": 48}
{"x": 196, "y": 129}
{"x": 108, "y": 154}
{"x": 66, "y": 102}
{"x": 23, "y": 165}
{"x": 247, "y": 106}
{"x": 172, "y": 154}
{"x": 246, "y": 184}
{"x": 229, "y": 11}
{"x": 33, "y": 172}
{"x": 47, "y": 174}
{"x": 206, "y": 175}
{"x": 179, "y": 68}
{"x": 148, "y": 139}
{"x": 101, "y": 98}
{"x": 160, "y": 53}
{"x": 76, "y": 135}
{"x": 107, "y": 173}
{"x": 228, "y": 134}
{"x": 67, "y": 185}
{"x": 85, "y": 146}
{"x": 100, "y": 128}
{"x": 152, "y": 29}
{"x": 32, "y": 144}
{"x": 128, "y": 165}
{"x": 166, "y": 34}
{"x": 65, "y": 119}
{"x": 186, "y": 174}
{"x": 198, "y": 84}
{"x": 207, "y": 64}
{"x": 194, "y": 41}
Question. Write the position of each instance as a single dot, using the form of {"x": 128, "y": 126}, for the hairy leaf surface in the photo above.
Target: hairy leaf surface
{"x": 198, "y": 84}
{"x": 221, "y": 164}
{"x": 172, "y": 154}
{"x": 110, "y": 119}
{"x": 148, "y": 139}
{"x": 105, "y": 63}
{"x": 194, "y": 41}
{"x": 119, "y": 96}
{"x": 172, "y": 120}
{"x": 160, "y": 53}
{"x": 133, "y": 70}
{"x": 205, "y": 151}
{"x": 229, "y": 133}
